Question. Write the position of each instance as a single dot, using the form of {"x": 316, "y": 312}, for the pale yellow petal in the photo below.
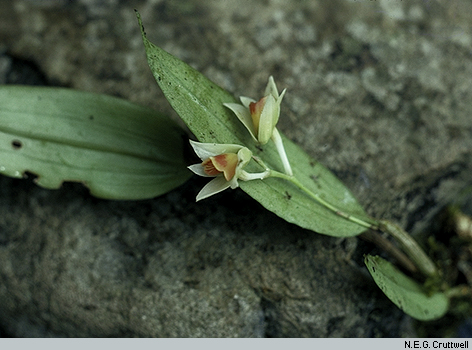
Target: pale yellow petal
{"x": 198, "y": 169}
{"x": 271, "y": 88}
{"x": 215, "y": 186}
{"x": 268, "y": 119}
{"x": 207, "y": 150}
{"x": 244, "y": 117}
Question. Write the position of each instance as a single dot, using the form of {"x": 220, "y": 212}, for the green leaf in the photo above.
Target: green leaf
{"x": 404, "y": 292}
{"x": 118, "y": 149}
{"x": 199, "y": 102}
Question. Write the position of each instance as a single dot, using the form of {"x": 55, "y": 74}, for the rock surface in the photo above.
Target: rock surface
{"x": 379, "y": 92}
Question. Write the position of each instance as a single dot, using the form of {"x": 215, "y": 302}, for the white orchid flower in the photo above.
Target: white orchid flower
{"x": 225, "y": 162}
{"x": 261, "y": 117}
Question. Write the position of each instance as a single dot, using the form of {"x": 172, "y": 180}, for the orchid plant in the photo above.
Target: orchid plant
{"x": 323, "y": 205}
{"x": 124, "y": 151}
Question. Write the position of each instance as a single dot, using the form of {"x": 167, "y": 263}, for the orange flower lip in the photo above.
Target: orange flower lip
{"x": 209, "y": 168}
{"x": 223, "y": 163}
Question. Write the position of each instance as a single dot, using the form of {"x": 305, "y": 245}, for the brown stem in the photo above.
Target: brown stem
{"x": 411, "y": 247}
{"x": 384, "y": 244}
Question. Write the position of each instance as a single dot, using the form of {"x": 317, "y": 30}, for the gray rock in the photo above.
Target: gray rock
{"x": 377, "y": 91}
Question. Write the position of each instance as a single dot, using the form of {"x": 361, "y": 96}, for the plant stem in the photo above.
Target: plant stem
{"x": 459, "y": 291}
{"x": 281, "y": 150}
{"x": 245, "y": 176}
{"x": 391, "y": 249}
{"x": 321, "y": 201}
{"x": 409, "y": 245}
{"x": 411, "y": 248}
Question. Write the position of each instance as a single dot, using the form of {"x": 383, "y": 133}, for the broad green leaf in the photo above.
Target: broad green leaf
{"x": 404, "y": 292}
{"x": 118, "y": 149}
{"x": 199, "y": 102}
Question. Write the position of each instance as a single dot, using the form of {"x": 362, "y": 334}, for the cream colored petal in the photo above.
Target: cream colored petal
{"x": 198, "y": 169}
{"x": 271, "y": 88}
{"x": 268, "y": 120}
{"x": 244, "y": 117}
{"x": 246, "y": 101}
{"x": 207, "y": 150}
{"x": 215, "y": 186}
{"x": 279, "y": 99}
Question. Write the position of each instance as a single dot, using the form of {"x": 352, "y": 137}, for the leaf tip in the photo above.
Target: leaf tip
{"x": 140, "y": 22}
